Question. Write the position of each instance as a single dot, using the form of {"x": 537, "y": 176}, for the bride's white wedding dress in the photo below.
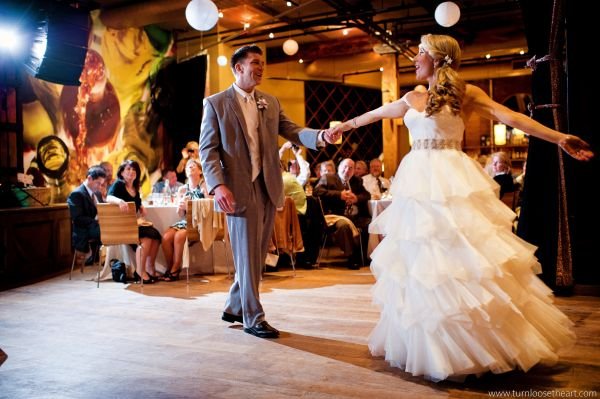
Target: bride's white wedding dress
{"x": 457, "y": 289}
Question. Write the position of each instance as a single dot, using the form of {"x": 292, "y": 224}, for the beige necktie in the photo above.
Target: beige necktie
{"x": 253, "y": 139}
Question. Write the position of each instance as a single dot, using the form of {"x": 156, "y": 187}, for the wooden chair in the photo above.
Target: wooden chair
{"x": 79, "y": 257}
{"x": 511, "y": 199}
{"x": 193, "y": 235}
{"x": 328, "y": 231}
{"x": 117, "y": 227}
{"x": 287, "y": 237}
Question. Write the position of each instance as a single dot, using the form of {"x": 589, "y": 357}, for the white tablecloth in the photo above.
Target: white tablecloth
{"x": 201, "y": 262}
{"x": 375, "y": 208}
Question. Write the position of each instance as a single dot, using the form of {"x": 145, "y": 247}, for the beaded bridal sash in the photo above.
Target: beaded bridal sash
{"x": 436, "y": 144}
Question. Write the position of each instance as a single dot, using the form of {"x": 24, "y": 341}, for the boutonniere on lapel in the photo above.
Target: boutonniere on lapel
{"x": 262, "y": 103}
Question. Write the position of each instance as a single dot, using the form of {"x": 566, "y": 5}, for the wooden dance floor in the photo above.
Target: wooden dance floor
{"x": 68, "y": 339}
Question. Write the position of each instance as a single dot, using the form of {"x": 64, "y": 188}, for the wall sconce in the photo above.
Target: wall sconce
{"x": 499, "y": 134}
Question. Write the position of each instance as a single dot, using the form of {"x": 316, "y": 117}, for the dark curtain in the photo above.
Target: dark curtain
{"x": 177, "y": 94}
{"x": 539, "y": 219}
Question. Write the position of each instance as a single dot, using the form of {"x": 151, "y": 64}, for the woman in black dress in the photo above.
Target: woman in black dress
{"x": 127, "y": 189}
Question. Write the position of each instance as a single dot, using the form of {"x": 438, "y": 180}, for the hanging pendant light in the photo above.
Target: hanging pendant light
{"x": 447, "y": 14}
{"x": 202, "y": 14}
{"x": 290, "y": 47}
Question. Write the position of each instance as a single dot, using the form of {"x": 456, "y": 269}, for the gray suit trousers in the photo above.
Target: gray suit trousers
{"x": 250, "y": 232}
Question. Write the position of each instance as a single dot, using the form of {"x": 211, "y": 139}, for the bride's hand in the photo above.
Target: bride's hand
{"x": 576, "y": 147}
{"x": 332, "y": 135}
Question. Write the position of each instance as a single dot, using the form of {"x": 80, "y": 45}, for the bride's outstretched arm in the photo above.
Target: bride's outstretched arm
{"x": 395, "y": 109}
{"x": 478, "y": 101}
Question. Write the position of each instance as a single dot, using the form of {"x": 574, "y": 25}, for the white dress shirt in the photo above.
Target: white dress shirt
{"x": 250, "y": 111}
{"x": 372, "y": 184}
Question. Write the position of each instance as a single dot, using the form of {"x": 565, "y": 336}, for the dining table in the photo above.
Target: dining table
{"x": 375, "y": 209}
{"x": 200, "y": 261}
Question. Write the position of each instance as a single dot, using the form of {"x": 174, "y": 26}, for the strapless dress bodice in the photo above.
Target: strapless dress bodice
{"x": 443, "y": 125}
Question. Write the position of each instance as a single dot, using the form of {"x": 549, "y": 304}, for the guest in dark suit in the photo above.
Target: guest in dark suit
{"x": 343, "y": 194}
{"x": 82, "y": 206}
{"x": 502, "y": 173}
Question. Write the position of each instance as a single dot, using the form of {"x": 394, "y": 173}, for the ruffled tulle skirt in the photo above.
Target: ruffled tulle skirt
{"x": 457, "y": 289}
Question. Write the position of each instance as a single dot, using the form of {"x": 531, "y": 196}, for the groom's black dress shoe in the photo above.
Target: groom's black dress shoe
{"x": 231, "y": 318}
{"x": 263, "y": 330}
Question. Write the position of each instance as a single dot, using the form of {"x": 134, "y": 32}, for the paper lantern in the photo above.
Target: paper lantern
{"x": 202, "y": 14}
{"x": 290, "y": 47}
{"x": 222, "y": 60}
{"x": 447, "y": 14}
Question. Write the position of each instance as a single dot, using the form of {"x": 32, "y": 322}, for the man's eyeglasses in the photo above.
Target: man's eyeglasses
{"x": 191, "y": 150}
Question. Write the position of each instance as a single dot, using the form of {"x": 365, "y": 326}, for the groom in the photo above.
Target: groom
{"x": 240, "y": 161}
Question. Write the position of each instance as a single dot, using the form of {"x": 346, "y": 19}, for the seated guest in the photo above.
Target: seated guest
{"x": 298, "y": 167}
{"x": 126, "y": 188}
{"x": 82, "y": 206}
{"x": 360, "y": 168}
{"x": 310, "y": 226}
{"x": 326, "y": 167}
{"x": 174, "y": 237}
{"x": 374, "y": 182}
{"x": 293, "y": 189}
{"x": 502, "y": 173}
{"x": 108, "y": 168}
{"x": 520, "y": 180}
{"x": 190, "y": 151}
{"x": 343, "y": 194}
{"x": 168, "y": 184}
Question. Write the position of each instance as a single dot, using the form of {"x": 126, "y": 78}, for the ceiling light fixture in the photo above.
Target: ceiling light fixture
{"x": 447, "y": 14}
{"x": 222, "y": 60}
{"x": 202, "y": 15}
{"x": 290, "y": 47}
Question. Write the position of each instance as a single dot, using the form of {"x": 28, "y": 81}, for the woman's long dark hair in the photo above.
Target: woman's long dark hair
{"x": 138, "y": 172}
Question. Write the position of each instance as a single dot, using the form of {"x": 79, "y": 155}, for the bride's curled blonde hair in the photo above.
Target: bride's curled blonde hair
{"x": 448, "y": 88}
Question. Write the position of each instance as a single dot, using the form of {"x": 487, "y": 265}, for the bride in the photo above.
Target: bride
{"x": 457, "y": 290}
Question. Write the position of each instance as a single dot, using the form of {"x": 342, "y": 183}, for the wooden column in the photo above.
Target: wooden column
{"x": 395, "y": 137}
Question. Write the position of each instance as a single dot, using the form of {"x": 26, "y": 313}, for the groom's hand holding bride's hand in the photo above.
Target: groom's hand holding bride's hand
{"x": 332, "y": 135}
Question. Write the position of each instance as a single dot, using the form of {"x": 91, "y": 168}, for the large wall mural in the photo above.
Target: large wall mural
{"x": 109, "y": 117}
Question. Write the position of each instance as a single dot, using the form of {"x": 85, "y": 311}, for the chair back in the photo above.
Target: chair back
{"x": 511, "y": 199}
{"x": 286, "y": 234}
{"x": 116, "y": 226}
{"x": 192, "y": 232}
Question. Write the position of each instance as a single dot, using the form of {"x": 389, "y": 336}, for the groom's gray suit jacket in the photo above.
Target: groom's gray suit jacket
{"x": 224, "y": 150}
